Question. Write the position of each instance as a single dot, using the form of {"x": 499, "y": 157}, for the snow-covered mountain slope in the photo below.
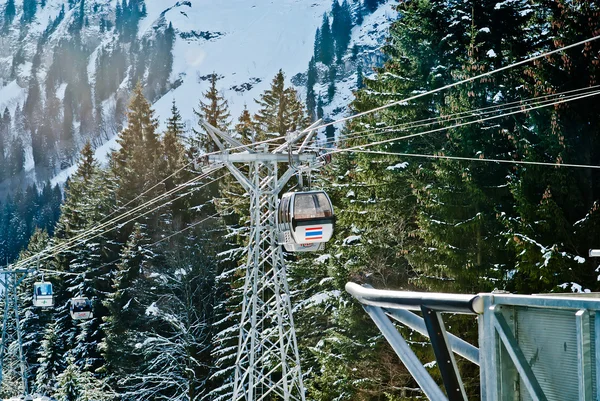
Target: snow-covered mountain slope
{"x": 251, "y": 41}
{"x": 245, "y": 42}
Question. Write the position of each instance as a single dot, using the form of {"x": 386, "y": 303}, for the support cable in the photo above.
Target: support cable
{"x": 473, "y": 159}
{"x": 388, "y": 141}
{"x": 463, "y": 81}
{"x": 88, "y": 233}
{"x": 567, "y": 95}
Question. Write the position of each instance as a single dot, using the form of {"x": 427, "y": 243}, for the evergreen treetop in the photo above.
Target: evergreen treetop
{"x": 215, "y": 111}
{"x": 280, "y": 110}
{"x": 245, "y": 126}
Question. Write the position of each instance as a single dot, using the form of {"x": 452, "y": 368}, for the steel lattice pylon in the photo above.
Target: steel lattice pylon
{"x": 9, "y": 281}
{"x": 267, "y": 362}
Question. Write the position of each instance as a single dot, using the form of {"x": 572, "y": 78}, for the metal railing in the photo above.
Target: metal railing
{"x": 531, "y": 347}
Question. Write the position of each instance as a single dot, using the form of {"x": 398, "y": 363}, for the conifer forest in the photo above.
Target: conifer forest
{"x": 106, "y": 191}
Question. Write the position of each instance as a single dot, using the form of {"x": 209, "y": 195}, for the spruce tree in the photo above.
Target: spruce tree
{"x": 5, "y": 130}
{"x": 32, "y": 105}
{"x": 341, "y": 27}
{"x": 215, "y": 111}
{"x": 67, "y": 134}
{"x": 317, "y": 45}
{"x": 75, "y": 384}
{"x": 50, "y": 361}
{"x": 136, "y": 163}
{"x": 17, "y": 156}
{"x": 556, "y": 217}
{"x": 311, "y": 79}
{"x": 173, "y": 150}
{"x": 68, "y": 384}
{"x": 327, "y": 49}
{"x": 133, "y": 289}
{"x": 336, "y": 19}
{"x": 9, "y": 14}
{"x": 359, "y": 77}
{"x": 331, "y": 87}
{"x": 245, "y": 126}
{"x": 29, "y": 10}
{"x": 280, "y": 110}
{"x": 319, "y": 107}
{"x": 172, "y": 168}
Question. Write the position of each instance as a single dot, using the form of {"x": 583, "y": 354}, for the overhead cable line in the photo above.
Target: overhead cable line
{"x": 267, "y": 141}
{"x": 215, "y": 215}
{"x": 474, "y": 113}
{"x": 79, "y": 237}
{"x": 82, "y": 236}
{"x": 24, "y": 262}
{"x": 87, "y": 235}
{"x": 479, "y": 120}
{"x": 463, "y": 81}
{"x": 525, "y": 162}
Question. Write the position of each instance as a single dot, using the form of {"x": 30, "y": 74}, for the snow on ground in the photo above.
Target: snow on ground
{"x": 11, "y": 95}
{"x": 246, "y": 42}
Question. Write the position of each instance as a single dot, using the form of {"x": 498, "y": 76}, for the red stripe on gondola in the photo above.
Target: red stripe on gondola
{"x": 313, "y": 228}
{"x": 312, "y": 238}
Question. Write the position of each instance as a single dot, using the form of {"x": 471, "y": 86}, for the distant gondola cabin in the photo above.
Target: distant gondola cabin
{"x": 81, "y": 308}
{"x": 43, "y": 295}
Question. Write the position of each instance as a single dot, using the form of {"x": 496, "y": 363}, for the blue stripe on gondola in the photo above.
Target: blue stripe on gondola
{"x": 313, "y": 233}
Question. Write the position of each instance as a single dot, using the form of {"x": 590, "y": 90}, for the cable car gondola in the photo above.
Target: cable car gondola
{"x": 305, "y": 221}
{"x": 42, "y": 294}
{"x": 81, "y": 308}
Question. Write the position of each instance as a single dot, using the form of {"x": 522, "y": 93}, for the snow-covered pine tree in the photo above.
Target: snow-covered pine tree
{"x": 227, "y": 314}
{"x": 50, "y": 361}
{"x": 77, "y": 385}
{"x": 9, "y": 14}
{"x": 460, "y": 202}
{"x": 126, "y": 307}
{"x": 176, "y": 353}
{"x": 68, "y": 384}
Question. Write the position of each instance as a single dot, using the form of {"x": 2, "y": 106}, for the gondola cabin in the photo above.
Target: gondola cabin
{"x": 42, "y": 295}
{"x": 305, "y": 221}
{"x": 81, "y": 308}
